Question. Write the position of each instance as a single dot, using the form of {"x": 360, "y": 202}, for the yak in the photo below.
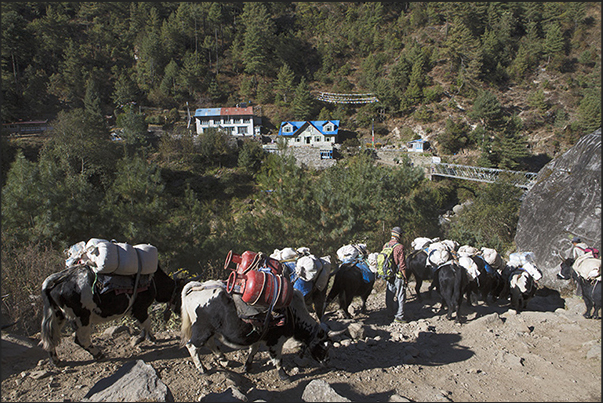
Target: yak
{"x": 209, "y": 312}
{"x": 76, "y": 293}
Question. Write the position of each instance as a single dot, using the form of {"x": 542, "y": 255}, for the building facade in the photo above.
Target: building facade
{"x": 234, "y": 121}
{"x": 316, "y": 133}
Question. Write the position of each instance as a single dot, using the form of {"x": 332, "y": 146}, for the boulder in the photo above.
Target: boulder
{"x": 320, "y": 391}
{"x": 565, "y": 202}
{"x": 135, "y": 381}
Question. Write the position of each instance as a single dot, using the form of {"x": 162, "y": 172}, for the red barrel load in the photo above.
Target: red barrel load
{"x": 259, "y": 279}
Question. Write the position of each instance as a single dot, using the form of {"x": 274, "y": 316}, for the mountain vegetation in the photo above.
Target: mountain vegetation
{"x": 502, "y": 85}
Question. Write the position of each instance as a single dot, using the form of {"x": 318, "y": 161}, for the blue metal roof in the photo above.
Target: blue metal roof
{"x": 208, "y": 112}
{"x": 318, "y": 124}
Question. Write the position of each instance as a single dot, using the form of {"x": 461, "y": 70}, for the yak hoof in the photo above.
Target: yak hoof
{"x": 136, "y": 340}
{"x": 283, "y": 375}
{"x": 54, "y": 359}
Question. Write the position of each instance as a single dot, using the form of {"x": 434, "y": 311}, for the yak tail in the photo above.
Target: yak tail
{"x": 186, "y": 329}
{"x": 51, "y": 330}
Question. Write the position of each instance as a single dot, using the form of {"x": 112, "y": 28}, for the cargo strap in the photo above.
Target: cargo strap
{"x": 135, "y": 281}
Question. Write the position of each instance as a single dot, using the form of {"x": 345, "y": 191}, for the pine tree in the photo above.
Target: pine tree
{"x": 487, "y": 108}
{"x": 125, "y": 91}
{"x": 169, "y": 83}
{"x": 589, "y": 111}
{"x": 464, "y": 52}
{"x": 553, "y": 42}
{"x": 134, "y": 206}
{"x": 259, "y": 33}
{"x": 510, "y": 147}
{"x": 303, "y": 101}
{"x": 285, "y": 83}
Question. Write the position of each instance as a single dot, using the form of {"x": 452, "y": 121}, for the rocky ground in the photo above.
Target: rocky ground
{"x": 548, "y": 353}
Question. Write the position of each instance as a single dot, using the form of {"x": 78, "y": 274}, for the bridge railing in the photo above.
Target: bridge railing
{"x": 519, "y": 178}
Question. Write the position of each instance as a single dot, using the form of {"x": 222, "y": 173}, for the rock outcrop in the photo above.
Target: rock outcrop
{"x": 135, "y": 381}
{"x": 565, "y": 202}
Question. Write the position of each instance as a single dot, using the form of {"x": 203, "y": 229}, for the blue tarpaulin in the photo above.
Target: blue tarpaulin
{"x": 367, "y": 274}
{"x": 304, "y": 286}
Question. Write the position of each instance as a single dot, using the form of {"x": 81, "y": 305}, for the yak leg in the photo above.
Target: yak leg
{"x": 418, "y": 284}
{"x": 277, "y": 359}
{"x": 344, "y": 304}
{"x": 194, "y": 352}
{"x": 197, "y": 341}
{"x": 146, "y": 333}
{"x": 83, "y": 338}
{"x": 589, "y": 306}
{"x": 596, "y": 309}
{"x": 211, "y": 344}
{"x": 319, "y": 303}
{"x": 364, "y": 298}
{"x": 253, "y": 349}
{"x": 141, "y": 314}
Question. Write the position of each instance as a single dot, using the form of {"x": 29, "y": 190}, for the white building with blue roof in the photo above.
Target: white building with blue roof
{"x": 315, "y": 133}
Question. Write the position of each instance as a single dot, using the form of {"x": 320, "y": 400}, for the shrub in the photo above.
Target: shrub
{"x": 24, "y": 268}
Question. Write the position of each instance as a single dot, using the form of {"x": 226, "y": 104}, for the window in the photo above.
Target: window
{"x": 246, "y": 120}
{"x": 317, "y": 139}
{"x": 242, "y": 130}
{"x": 329, "y": 127}
{"x": 287, "y": 129}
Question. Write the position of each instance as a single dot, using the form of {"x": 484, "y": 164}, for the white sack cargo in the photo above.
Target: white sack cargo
{"x": 323, "y": 276}
{"x": 492, "y": 257}
{"x": 75, "y": 253}
{"x": 518, "y": 259}
{"x": 467, "y": 250}
{"x": 372, "y": 261}
{"x": 421, "y": 243}
{"x": 438, "y": 253}
{"x": 120, "y": 258}
{"x": 469, "y": 265}
{"x": 285, "y": 255}
{"x": 588, "y": 267}
{"x": 437, "y": 246}
{"x": 307, "y": 267}
{"x": 439, "y": 256}
{"x": 350, "y": 252}
{"x": 452, "y": 245}
{"x": 525, "y": 260}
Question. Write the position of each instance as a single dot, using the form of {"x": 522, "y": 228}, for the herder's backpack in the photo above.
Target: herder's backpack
{"x": 385, "y": 262}
{"x": 594, "y": 251}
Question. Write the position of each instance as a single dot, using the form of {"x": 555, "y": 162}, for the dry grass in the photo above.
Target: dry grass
{"x": 23, "y": 272}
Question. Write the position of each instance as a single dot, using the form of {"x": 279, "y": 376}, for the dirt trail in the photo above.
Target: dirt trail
{"x": 547, "y": 353}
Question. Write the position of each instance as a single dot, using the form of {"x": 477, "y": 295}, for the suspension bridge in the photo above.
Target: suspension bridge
{"x": 525, "y": 180}
{"x": 335, "y": 98}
